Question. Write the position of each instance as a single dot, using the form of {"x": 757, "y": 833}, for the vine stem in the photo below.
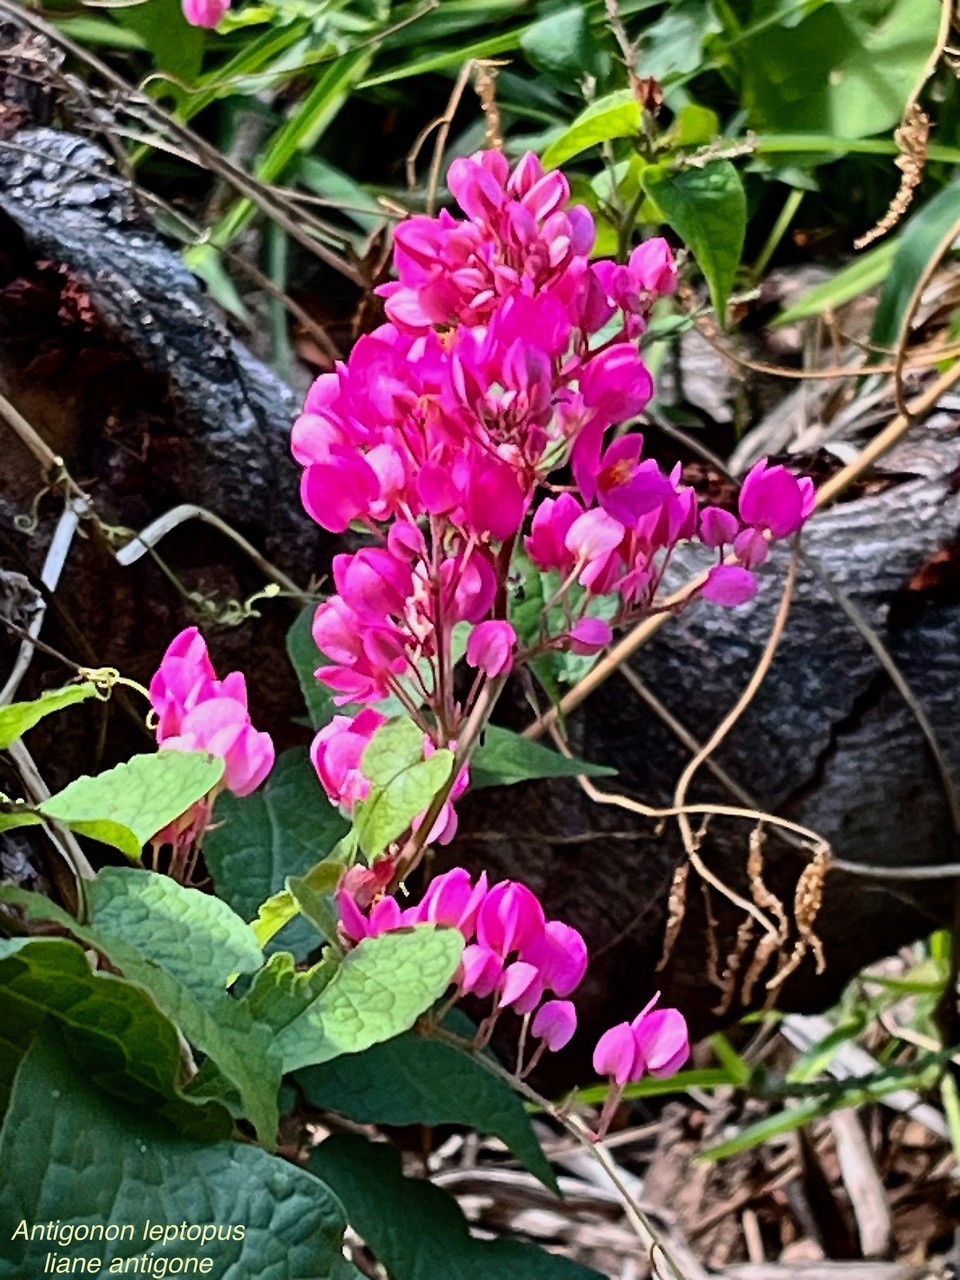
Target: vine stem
{"x": 466, "y": 745}
{"x": 573, "y": 1125}
{"x": 714, "y": 741}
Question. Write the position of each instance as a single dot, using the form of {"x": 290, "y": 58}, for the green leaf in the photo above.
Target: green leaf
{"x": 98, "y": 31}
{"x": 283, "y": 907}
{"x": 194, "y": 936}
{"x": 87, "y": 1159}
{"x": 416, "y": 1230}
{"x": 306, "y": 658}
{"x": 354, "y": 201}
{"x": 815, "y": 1060}
{"x": 299, "y": 134}
{"x": 129, "y": 804}
{"x": 616, "y": 115}
{"x": 388, "y": 811}
{"x": 176, "y": 46}
{"x": 18, "y": 717}
{"x": 694, "y": 126}
{"x": 533, "y": 622}
{"x": 505, "y": 757}
{"x": 923, "y": 241}
{"x": 833, "y": 146}
{"x": 206, "y": 261}
{"x": 562, "y": 45}
{"x": 396, "y": 746}
{"x": 801, "y": 1113}
{"x": 708, "y": 210}
{"x": 863, "y": 273}
{"x": 846, "y": 69}
{"x": 221, "y": 1027}
{"x": 673, "y": 45}
{"x": 126, "y": 1045}
{"x": 280, "y": 992}
{"x": 654, "y": 1087}
{"x": 403, "y": 783}
{"x": 414, "y": 1079}
{"x": 16, "y": 813}
{"x": 317, "y": 906}
{"x": 379, "y": 990}
{"x": 283, "y": 829}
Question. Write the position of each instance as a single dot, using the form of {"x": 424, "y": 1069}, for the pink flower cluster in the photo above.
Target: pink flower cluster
{"x": 197, "y": 712}
{"x": 513, "y": 952}
{"x": 773, "y": 504}
{"x": 508, "y": 356}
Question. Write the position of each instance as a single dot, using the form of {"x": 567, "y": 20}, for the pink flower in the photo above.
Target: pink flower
{"x": 653, "y": 268}
{"x": 729, "y": 585}
{"x": 494, "y": 502}
{"x": 478, "y": 184}
{"x": 592, "y": 537}
{"x": 353, "y": 923}
{"x": 616, "y": 383}
{"x": 589, "y": 636}
{"x": 336, "y": 754}
{"x": 751, "y": 548}
{"x": 655, "y": 1042}
{"x": 384, "y": 917}
{"x": 490, "y": 647}
{"x": 651, "y": 272}
{"x": 662, "y": 1039}
{"x": 205, "y": 13}
{"x": 453, "y": 899}
{"x": 480, "y": 971}
{"x": 774, "y": 500}
{"x": 521, "y": 987}
{"x": 340, "y": 489}
{"x": 560, "y": 956}
{"x": 469, "y": 589}
{"x": 185, "y": 678}
{"x": 546, "y": 545}
{"x": 626, "y": 487}
{"x": 364, "y": 884}
{"x": 511, "y": 918}
{"x": 222, "y": 727}
{"x": 717, "y": 527}
{"x": 555, "y": 1023}
{"x": 616, "y": 1054}
{"x": 197, "y": 712}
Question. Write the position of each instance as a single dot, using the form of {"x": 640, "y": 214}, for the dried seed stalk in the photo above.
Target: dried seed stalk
{"x": 713, "y": 951}
{"x": 767, "y": 946}
{"x": 806, "y": 906}
{"x": 728, "y": 983}
{"x": 763, "y": 896}
{"x": 912, "y": 137}
{"x": 485, "y": 78}
{"x": 676, "y": 910}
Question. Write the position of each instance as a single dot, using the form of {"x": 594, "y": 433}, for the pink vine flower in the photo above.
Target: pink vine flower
{"x": 655, "y": 1043}
{"x": 507, "y": 355}
{"x": 197, "y": 712}
{"x": 205, "y": 13}
{"x": 473, "y": 444}
{"x": 513, "y": 953}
